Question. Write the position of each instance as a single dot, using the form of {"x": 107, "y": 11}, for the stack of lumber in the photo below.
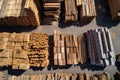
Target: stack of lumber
{"x": 71, "y": 49}
{"x": 63, "y": 76}
{"x": 100, "y": 47}
{"x": 87, "y": 10}
{"x": 20, "y": 60}
{"x": 5, "y": 54}
{"x": 19, "y": 13}
{"x": 114, "y": 9}
{"x": 38, "y": 56}
{"x": 59, "y": 49}
{"x": 51, "y": 10}
{"x": 82, "y": 55}
{"x": 71, "y": 13}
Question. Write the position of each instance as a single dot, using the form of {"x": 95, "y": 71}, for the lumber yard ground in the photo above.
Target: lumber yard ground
{"x": 102, "y": 20}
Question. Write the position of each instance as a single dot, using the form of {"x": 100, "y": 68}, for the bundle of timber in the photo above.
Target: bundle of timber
{"x": 51, "y": 10}
{"x": 59, "y": 49}
{"x": 71, "y": 49}
{"x": 20, "y": 60}
{"x": 38, "y": 56}
{"x": 87, "y": 10}
{"x": 63, "y": 76}
{"x": 19, "y": 13}
{"x": 71, "y": 13}
{"x": 14, "y": 45}
{"x": 114, "y": 9}
{"x": 82, "y": 55}
{"x": 100, "y": 47}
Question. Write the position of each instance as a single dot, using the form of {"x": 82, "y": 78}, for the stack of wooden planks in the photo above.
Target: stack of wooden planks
{"x": 38, "y": 56}
{"x": 71, "y": 13}
{"x": 19, "y": 13}
{"x": 87, "y": 10}
{"x": 82, "y": 55}
{"x": 100, "y": 47}
{"x": 59, "y": 49}
{"x": 71, "y": 49}
{"x": 51, "y": 11}
{"x": 63, "y": 76}
{"x": 114, "y": 9}
{"x": 20, "y": 60}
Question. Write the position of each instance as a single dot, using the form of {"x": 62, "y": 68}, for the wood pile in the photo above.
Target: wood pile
{"x": 63, "y": 76}
{"x": 82, "y": 55}
{"x": 59, "y": 49}
{"x": 38, "y": 56}
{"x": 51, "y": 11}
{"x": 20, "y": 60}
{"x": 100, "y": 47}
{"x": 71, "y": 49}
{"x": 114, "y": 9}
{"x": 19, "y": 13}
{"x": 71, "y": 13}
{"x": 87, "y": 10}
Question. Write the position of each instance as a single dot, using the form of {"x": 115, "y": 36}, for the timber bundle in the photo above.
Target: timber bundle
{"x": 63, "y": 76}
{"x": 114, "y": 9}
{"x": 19, "y": 13}
{"x": 51, "y": 10}
{"x": 18, "y": 50}
{"x": 22, "y": 51}
{"x": 87, "y": 10}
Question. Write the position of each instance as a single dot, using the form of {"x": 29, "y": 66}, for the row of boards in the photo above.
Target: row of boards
{"x": 25, "y": 50}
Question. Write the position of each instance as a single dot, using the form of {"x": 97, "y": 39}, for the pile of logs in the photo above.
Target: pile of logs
{"x": 100, "y": 47}
{"x": 114, "y": 9}
{"x": 71, "y": 13}
{"x": 19, "y": 13}
{"x": 87, "y": 10}
{"x": 63, "y": 76}
{"x": 38, "y": 56}
{"x": 51, "y": 11}
{"x": 59, "y": 49}
{"x": 71, "y": 49}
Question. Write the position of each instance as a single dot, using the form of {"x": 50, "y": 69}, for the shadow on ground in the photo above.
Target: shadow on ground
{"x": 103, "y": 17}
{"x": 16, "y": 29}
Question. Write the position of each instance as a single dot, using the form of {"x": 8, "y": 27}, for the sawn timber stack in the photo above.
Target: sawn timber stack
{"x": 19, "y": 13}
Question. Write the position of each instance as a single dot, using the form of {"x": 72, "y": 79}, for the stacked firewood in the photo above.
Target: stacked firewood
{"x": 82, "y": 56}
{"x": 71, "y": 49}
{"x": 87, "y": 10}
{"x": 51, "y": 10}
{"x": 114, "y": 9}
{"x": 63, "y": 76}
{"x": 100, "y": 47}
{"x": 38, "y": 56}
{"x": 71, "y": 13}
{"x": 59, "y": 49}
{"x": 19, "y": 13}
